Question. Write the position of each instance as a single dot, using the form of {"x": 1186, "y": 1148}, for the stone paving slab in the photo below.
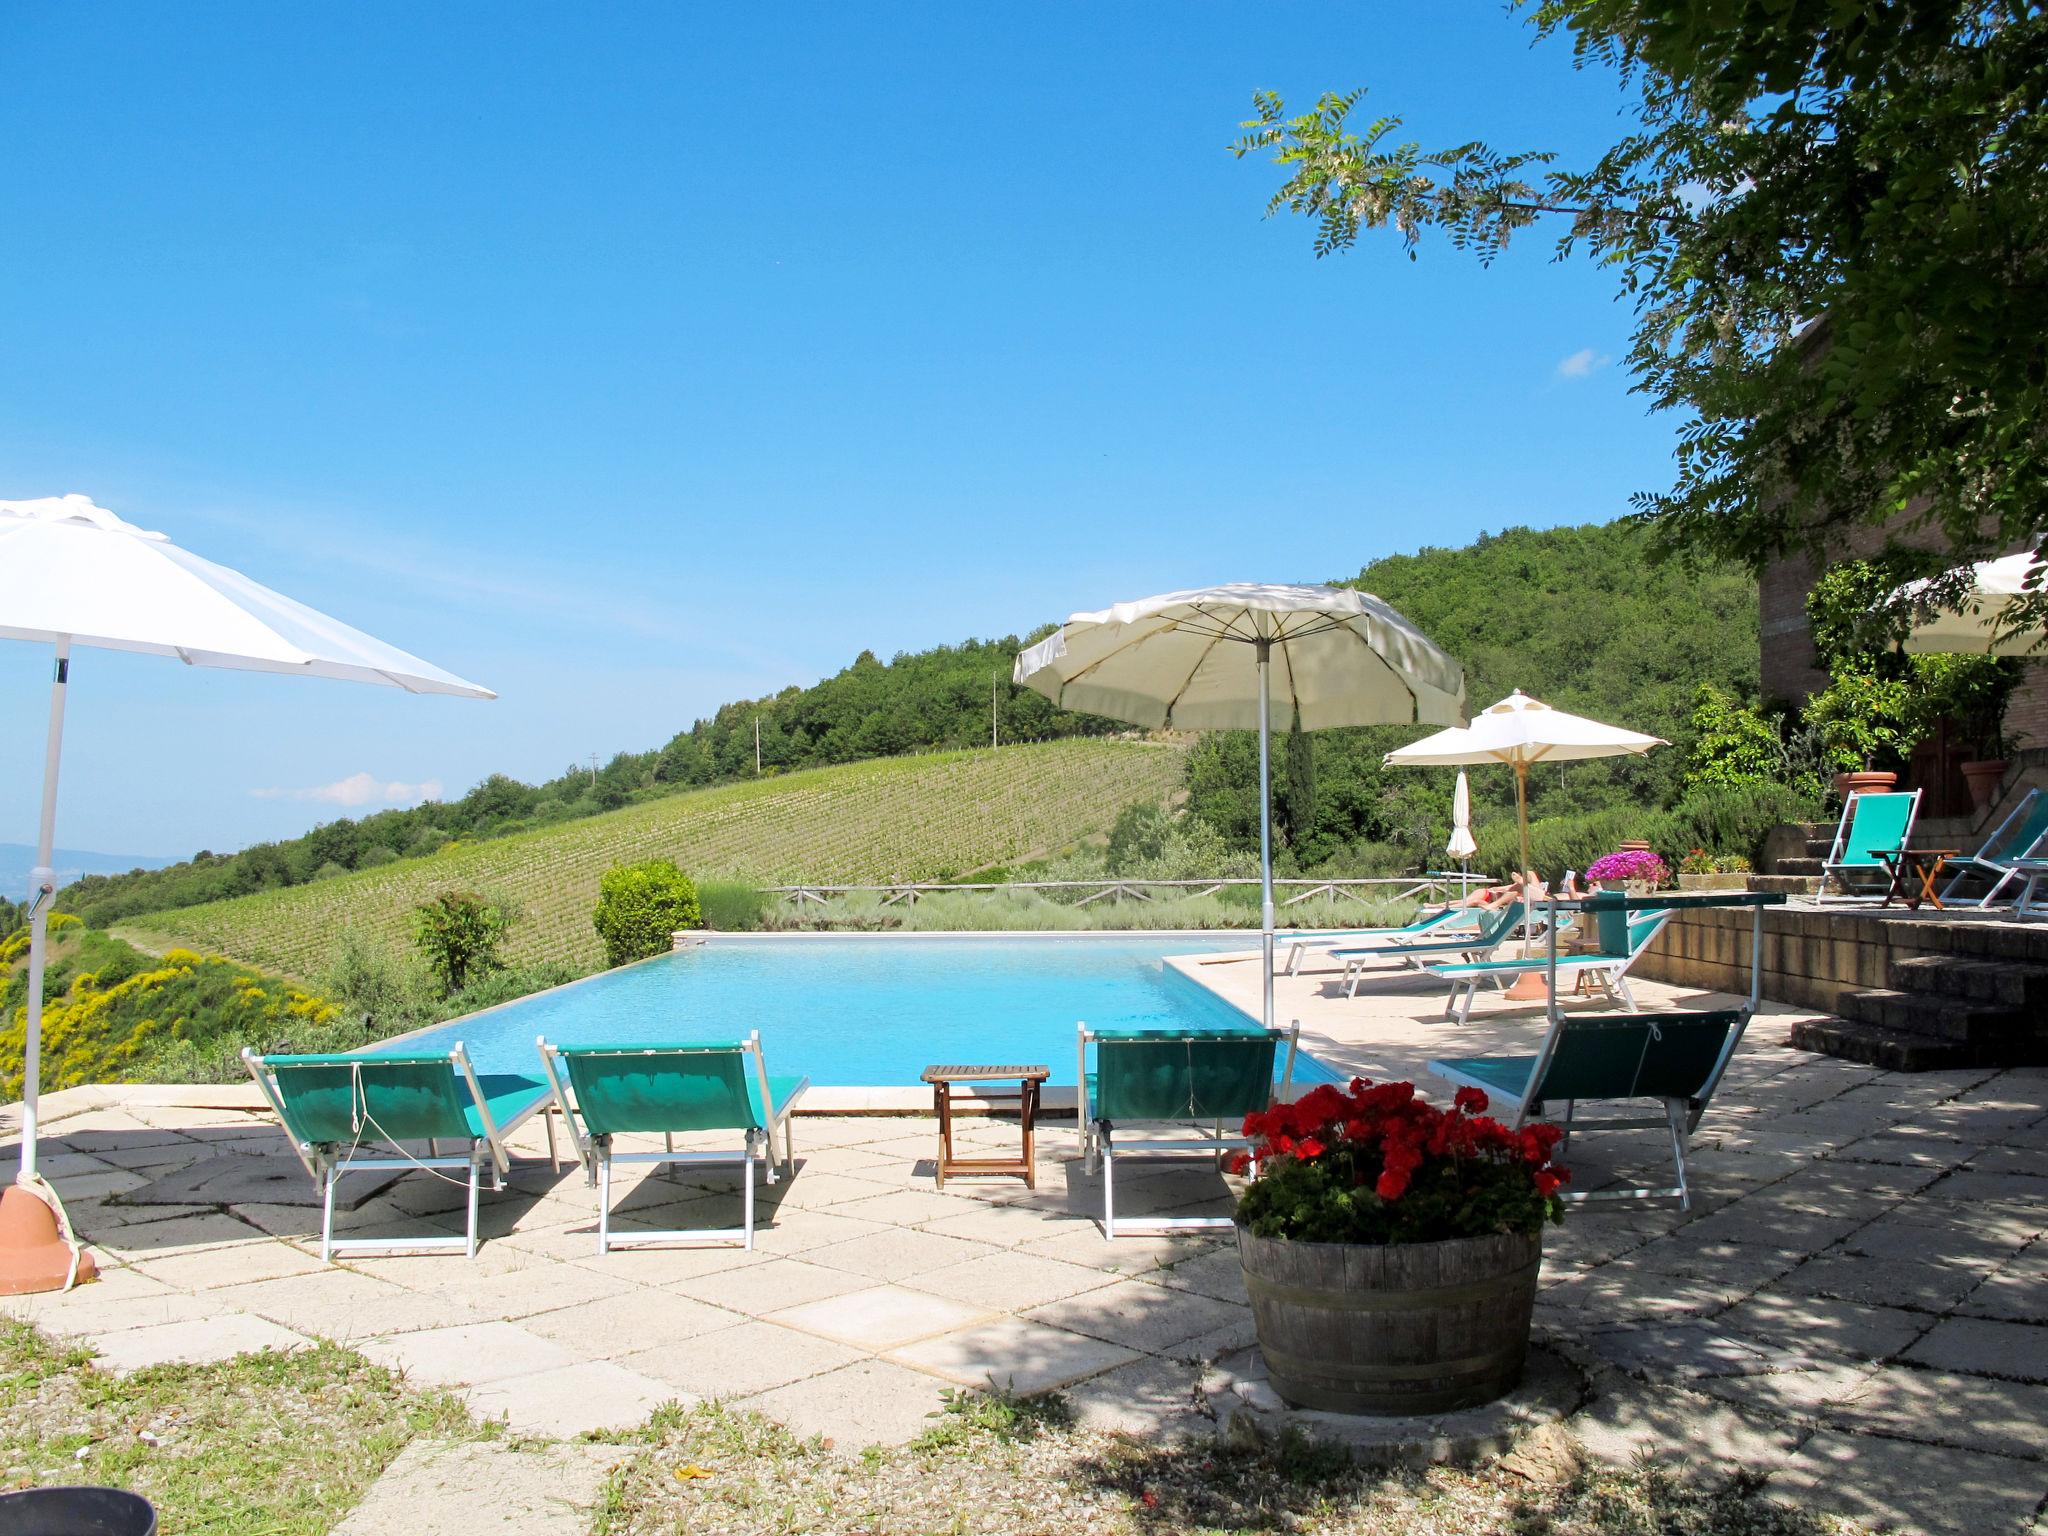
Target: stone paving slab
{"x": 468, "y": 1355}
{"x": 740, "y": 1361}
{"x": 1902, "y": 1486}
{"x": 1691, "y": 1350}
{"x": 2014, "y": 1351}
{"x": 191, "y": 1342}
{"x": 575, "y": 1399}
{"x": 871, "y": 1402}
{"x": 1142, "y": 1316}
{"x": 483, "y": 1488}
{"x": 1014, "y": 1354}
{"x": 881, "y": 1317}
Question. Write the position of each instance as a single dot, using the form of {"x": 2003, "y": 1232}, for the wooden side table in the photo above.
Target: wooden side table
{"x": 1924, "y": 865}
{"x": 1027, "y": 1080}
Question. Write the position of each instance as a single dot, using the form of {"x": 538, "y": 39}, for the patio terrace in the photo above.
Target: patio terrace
{"x": 1857, "y": 1305}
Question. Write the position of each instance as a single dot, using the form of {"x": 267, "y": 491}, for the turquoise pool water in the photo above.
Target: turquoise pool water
{"x": 867, "y": 1012}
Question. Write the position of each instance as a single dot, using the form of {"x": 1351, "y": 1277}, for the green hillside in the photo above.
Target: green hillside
{"x": 893, "y": 818}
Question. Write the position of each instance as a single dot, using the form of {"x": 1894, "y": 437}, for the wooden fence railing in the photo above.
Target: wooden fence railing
{"x": 1420, "y": 887}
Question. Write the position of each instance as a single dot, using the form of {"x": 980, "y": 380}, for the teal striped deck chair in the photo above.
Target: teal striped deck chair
{"x": 354, "y": 1113}
{"x": 1435, "y": 925}
{"x": 1622, "y": 934}
{"x": 1674, "y": 1059}
{"x": 2023, "y": 834}
{"x": 1494, "y": 929}
{"x": 1873, "y": 821}
{"x": 1200, "y": 1082}
{"x": 607, "y": 1091}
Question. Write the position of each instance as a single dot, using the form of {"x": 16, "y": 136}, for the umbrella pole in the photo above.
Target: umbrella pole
{"x": 1266, "y": 828}
{"x": 42, "y": 891}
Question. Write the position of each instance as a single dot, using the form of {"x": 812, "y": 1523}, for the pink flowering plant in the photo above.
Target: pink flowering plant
{"x": 1630, "y": 864}
{"x": 1380, "y": 1164}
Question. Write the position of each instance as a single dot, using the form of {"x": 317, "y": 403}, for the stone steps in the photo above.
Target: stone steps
{"x": 1943, "y": 1010}
{"x": 1939, "y": 1018}
{"x": 1786, "y": 885}
{"x": 1996, "y": 983}
{"x": 1874, "y": 1045}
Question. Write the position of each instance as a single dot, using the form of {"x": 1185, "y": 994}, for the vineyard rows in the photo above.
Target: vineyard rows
{"x": 919, "y": 818}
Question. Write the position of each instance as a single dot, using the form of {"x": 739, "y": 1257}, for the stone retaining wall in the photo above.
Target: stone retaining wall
{"x": 1811, "y": 957}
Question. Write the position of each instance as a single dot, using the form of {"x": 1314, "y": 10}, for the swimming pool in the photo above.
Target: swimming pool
{"x": 867, "y": 1011}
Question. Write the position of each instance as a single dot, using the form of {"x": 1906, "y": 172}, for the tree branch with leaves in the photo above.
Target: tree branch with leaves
{"x": 1832, "y": 222}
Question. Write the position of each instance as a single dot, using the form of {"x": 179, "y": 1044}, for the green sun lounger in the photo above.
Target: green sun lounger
{"x": 606, "y": 1091}
{"x": 1673, "y": 1058}
{"x": 1494, "y": 930}
{"x": 354, "y": 1113}
{"x": 2023, "y": 835}
{"x": 1872, "y": 822}
{"x": 1203, "y": 1082}
{"x": 1437, "y": 924}
{"x": 1622, "y": 935}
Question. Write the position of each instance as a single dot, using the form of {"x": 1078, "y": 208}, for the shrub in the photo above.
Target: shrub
{"x": 1734, "y": 818}
{"x": 731, "y": 906}
{"x": 393, "y": 995}
{"x": 182, "y": 1003}
{"x": 639, "y": 906}
{"x": 504, "y": 984}
{"x": 459, "y": 933}
{"x": 1379, "y": 1164}
{"x": 1559, "y": 843}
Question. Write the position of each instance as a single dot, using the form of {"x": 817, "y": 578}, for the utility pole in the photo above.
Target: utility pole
{"x": 593, "y": 767}
{"x": 992, "y": 707}
{"x": 757, "y": 746}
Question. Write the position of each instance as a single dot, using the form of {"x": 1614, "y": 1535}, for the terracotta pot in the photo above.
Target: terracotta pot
{"x": 1847, "y": 784}
{"x": 1983, "y": 778}
{"x": 1632, "y": 847}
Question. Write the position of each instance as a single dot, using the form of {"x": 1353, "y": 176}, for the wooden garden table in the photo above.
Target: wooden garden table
{"x": 1925, "y": 864}
{"x": 1027, "y": 1080}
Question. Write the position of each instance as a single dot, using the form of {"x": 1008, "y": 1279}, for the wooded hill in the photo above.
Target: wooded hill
{"x": 1577, "y": 616}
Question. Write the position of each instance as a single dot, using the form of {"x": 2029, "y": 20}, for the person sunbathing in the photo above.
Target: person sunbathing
{"x": 1496, "y": 895}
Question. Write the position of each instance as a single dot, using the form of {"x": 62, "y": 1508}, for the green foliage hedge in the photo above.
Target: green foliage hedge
{"x": 640, "y": 907}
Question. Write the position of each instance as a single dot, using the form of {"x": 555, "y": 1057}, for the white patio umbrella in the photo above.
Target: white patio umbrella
{"x": 1462, "y": 844}
{"x": 1221, "y": 658}
{"x": 74, "y": 574}
{"x": 1519, "y": 731}
{"x": 1980, "y": 627}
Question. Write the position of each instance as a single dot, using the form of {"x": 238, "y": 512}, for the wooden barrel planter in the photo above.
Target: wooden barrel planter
{"x": 1400, "y": 1329}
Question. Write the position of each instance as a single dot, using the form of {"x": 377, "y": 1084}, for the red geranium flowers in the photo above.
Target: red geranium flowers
{"x": 1380, "y": 1164}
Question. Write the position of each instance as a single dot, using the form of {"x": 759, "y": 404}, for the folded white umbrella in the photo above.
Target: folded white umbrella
{"x": 74, "y": 574}
{"x": 1519, "y": 731}
{"x": 1462, "y": 844}
{"x": 1981, "y": 626}
{"x": 1222, "y": 658}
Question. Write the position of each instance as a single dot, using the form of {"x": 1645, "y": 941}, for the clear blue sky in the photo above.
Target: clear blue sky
{"x": 632, "y": 358}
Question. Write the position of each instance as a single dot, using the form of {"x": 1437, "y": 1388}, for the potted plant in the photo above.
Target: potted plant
{"x": 1390, "y": 1247}
{"x": 1700, "y": 870}
{"x": 1634, "y": 870}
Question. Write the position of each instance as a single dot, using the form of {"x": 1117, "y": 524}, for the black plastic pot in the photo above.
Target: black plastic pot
{"x": 76, "y": 1512}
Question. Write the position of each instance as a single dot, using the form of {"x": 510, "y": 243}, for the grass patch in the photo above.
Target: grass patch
{"x": 267, "y": 1444}
{"x": 996, "y": 1465}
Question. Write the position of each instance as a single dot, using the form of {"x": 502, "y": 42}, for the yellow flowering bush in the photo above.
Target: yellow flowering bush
{"x": 96, "y": 1035}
